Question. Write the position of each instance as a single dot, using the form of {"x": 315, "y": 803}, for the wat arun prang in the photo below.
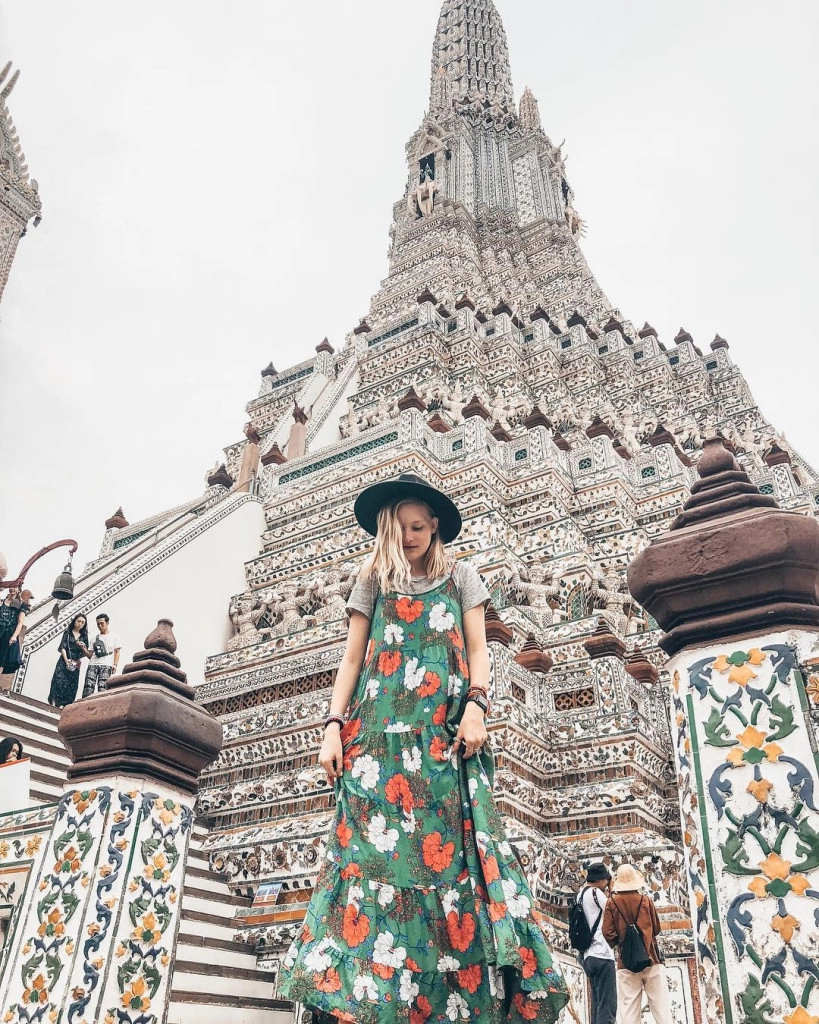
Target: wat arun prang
{"x": 492, "y": 364}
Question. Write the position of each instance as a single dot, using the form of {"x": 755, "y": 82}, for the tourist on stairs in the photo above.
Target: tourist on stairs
{"x": 73, "y": 648}
{"x": 13, "y": 610}
{"x": 598, "y": 958}
{"x": 421, "y": 911}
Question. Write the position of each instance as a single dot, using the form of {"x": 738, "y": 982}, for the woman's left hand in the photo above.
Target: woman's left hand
{"x": 472, "y": 733}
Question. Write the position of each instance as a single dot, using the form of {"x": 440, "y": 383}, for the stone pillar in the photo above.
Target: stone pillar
{"x": 734, "y": 585}
{"x": 297, "y": 444}
{"x": 98, "y": 941}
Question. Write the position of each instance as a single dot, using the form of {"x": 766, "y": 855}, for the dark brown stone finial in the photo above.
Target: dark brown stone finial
{"x": 732, "y": 564}
{"x": 117, "y": 521}
{"x": 475, "y": 407}
{"x": 561, "y": 442}
{"x": 437, "y": 423}
{"x": 274, "y": 456}
{"x": 539, "y": 313}
{"x": 146, "y": 724}
{"x": 681, "y": 336}
{"x": 640, "y": 668}
{"x": 646, "y": 331}
{"x": 718, "y": 342}
{"x": 662, "y": 435}
{"x": 537, "y": 418}
{"x": 613, "y": 324}
{"x": 363, "y": 327}
{"x": 270, "y": 371}
{"x": 299, "y": 415}
{"x": 499, "y": 433}
{"x": 426, "y": 296}
{"x": 220, "y": 478}
{"x": 533, "y": 657}
{"x": 325, "y": 346}
{"x": 621, "y": 449}
{"x": 775, "y": 456}
{"x": 465, "y": 301}
{"x": 599, "y": 428}
{"x": 502, "y": 307}
{"x": 577, "y": 319}
{"x": 411, "y": 400}
{"x": 604, "y": 644}
{"x": 496, "y": 629}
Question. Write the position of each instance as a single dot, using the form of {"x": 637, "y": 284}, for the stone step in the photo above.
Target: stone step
{"x": 218, "y": 979}
{"x": 46, "y": 745}
{"x": 231, "y": 955}
{"x": 207, "y": 942}
{"x": 189, "y": 1008}
{"x": 24, "y": 708}
{"x": 213, "y": 926}
{"x": 221, "y": 897}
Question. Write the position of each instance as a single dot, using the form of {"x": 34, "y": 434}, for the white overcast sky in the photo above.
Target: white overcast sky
{"x": 217, "y": 182}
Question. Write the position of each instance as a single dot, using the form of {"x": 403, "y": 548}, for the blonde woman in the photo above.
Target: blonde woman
{"x": 420, "y": 912}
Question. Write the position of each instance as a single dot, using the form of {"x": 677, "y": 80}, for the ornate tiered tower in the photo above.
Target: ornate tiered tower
{"x": 491, "y": 363}
{"x": 19, "y": 196}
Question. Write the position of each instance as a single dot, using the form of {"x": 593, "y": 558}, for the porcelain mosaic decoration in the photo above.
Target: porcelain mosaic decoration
{"x": 749, "y": 785}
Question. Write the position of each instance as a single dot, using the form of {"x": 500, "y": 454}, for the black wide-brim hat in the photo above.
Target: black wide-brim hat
{"x": 597, "y": 873}
{"x": 371, "y": 500}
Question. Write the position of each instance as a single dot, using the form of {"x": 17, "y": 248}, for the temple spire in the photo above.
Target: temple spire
{"x": 529, "y": 112}
{"x": 471, "y": 51}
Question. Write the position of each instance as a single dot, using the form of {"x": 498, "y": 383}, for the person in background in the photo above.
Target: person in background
{"x": 598, "y": 960}
{"x": 13, "y": 611}
{"x": 11, "y": 750}
{"x": 104, "y": 659}
{"x": 629, "y": 905}
{"x": 73, "y": 648}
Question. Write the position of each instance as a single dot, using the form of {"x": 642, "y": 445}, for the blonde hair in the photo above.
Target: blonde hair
{"x": 388, "y": 563}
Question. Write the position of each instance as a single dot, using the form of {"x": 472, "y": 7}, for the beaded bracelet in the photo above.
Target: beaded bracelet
{"x": 335, "y": 718}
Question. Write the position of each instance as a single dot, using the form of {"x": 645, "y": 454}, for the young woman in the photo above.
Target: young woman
{"x": 11, "y": 750}
{"x": 73, "y": 648}
{"x": 13, "y": 612}
{"x": 421, "y": 912}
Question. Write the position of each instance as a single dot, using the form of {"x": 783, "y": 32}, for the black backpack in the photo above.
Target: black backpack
{"x": 633, "y": 948}
{"x": 581, "y": 935}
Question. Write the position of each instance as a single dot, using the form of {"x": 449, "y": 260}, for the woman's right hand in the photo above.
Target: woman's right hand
{"x": 331, "y": 755}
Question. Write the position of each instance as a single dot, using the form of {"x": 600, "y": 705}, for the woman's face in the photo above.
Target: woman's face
{"x": 14, "y": 753}
{"x": 417, "y": 529}
{"x": 79, "y": 623}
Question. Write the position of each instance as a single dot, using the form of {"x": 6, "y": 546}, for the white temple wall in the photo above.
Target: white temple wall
{"x": 192, "y": 587}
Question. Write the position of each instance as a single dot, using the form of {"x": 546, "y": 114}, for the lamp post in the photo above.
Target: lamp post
{"x": 63, "y": 585}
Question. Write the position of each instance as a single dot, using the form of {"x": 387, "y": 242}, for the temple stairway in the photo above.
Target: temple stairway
{"x": 216, "y": 980}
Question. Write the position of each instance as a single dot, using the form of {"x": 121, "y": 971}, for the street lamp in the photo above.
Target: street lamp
{"x": 63, "y": 585}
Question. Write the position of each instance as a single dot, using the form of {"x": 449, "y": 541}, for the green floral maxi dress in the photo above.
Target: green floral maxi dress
{"x": 421, "y": 912}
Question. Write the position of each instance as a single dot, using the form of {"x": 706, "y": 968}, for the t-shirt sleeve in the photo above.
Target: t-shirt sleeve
{"x": 115, "y": 643}
{"x": 470, "y": 586}
{"x": 362, "y": 597}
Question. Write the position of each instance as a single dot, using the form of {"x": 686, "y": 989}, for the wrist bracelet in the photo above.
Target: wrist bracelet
{"x": 334, "y": 718}
{"x": 480, "y": 698}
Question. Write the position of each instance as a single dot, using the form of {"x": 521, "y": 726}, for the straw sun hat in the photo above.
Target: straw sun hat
{"x": 628, "y": 879}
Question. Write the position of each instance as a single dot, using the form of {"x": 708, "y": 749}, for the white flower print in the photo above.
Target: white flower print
{"x": 409, "y": 824}
{"x": 382, "y": 838}
{"x": 368, "y": 770}
{"x": 495, "y": 981}
{"x": 454, "y": 686}
{"x": 355, "y": 895}
{"x": 393, "y": 633}
{"x": 448, "y": 963}
{"x": 440, "y": 619}
{"x": 457, "y": 1007}
{"x": 449, "y": 900}
{"x": 398, "y": 727}
{"x": 373, "y": 687}
{"x": 386, "y": 893}
{"x": 318, "y": 959}
{"x": 517, "y": 904}
{"x": 505, "y": 848}
{"x": 407, "y": 990}
{"x": 473, "y": 787}
{"x": 413, "y": 674}
{"x": 412, "y": 760}
{"x": 364, "y": 987}
{"x": 386, "y": 952}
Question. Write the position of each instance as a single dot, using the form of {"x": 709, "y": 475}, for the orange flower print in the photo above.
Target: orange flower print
{"x": 408, "y": 610}
{"x": 350, "y": 731}
{"x": 496, "y": 911}
{"x": 383, "y": 971}
{"x": 356, "y": 926}
{"x": 490, "y": 869}
{"x": 527, "y": 1008}
{"x": 470, "y": 978}
{"x": 529, "y": 965}
{"x": 440, "y": 715}
{"x": 437, "y": 855}
{"x": 351, "y": 871}
{"x": 421, "y": 1011}
{"x": 397, "y": 791}
{"x": 457, "y": 638}
{"x": 411, "y": 965}
{"x": 438, "y": 749}
{"x": 330, "y": 981}
{"x": 344, "y": 833}
{"x": 463, "y": 668}
{"x": 461, "y": 932}
{"x": 388, "y": 662}
{"x": 430, "y": 685}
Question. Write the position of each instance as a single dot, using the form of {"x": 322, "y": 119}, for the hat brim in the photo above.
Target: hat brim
{"x": 371, "y": 500}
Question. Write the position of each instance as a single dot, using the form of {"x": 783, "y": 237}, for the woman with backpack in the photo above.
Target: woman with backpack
{"x": 632, "y": 926}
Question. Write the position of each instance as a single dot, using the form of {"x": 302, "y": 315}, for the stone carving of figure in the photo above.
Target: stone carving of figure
{"x": 241, "y": 615}
{"x": 536, "y": 591}
{"x": 425, "y": 196}
{"x": 333, "y": 605}
{"x": 612, "y": 601}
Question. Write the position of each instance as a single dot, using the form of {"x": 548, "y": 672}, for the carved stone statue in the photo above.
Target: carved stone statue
{"x": 612, "y": 601}
{"x": 241, "y": 615}
{"x": 537, "y": 592}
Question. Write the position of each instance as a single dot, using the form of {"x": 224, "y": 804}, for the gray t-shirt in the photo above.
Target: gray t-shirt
{"x": 470, "y": 586}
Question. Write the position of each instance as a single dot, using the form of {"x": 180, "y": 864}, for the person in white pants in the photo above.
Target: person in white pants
{"x": 628, "y": 905}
